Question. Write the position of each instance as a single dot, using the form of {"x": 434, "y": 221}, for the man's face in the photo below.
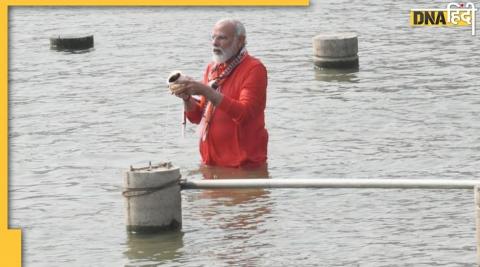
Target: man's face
{"x": 225, "y": 44}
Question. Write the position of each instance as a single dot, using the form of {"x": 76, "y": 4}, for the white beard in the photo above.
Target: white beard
{"x": 224, "y": 55}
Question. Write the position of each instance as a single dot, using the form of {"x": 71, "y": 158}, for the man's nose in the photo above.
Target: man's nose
{"x": 215, "y": 41}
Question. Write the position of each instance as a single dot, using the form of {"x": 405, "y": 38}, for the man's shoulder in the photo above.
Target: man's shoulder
{"x": 253, "y": 62}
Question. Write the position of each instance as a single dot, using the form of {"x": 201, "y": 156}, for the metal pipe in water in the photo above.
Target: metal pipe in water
{"x": 329, "y": 183}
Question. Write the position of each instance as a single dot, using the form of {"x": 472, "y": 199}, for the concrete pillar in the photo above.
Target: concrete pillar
{"x": 71, "y": 42}
{"x": 477, "y": 221}
{"x": 336, "y": 50}
{"x": 152, "y": 198}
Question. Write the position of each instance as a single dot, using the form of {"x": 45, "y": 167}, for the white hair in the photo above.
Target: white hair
{"x": 239, "y": 28}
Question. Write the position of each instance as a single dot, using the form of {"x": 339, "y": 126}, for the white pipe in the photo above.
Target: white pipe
{"x": 329, "y": 183}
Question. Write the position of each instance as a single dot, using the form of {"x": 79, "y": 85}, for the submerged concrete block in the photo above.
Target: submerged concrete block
{"x": 71, "y": 42}
{"x": 336, "y": 50}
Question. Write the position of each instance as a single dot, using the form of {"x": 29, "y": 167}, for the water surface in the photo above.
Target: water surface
{"x": 78, "y": 121}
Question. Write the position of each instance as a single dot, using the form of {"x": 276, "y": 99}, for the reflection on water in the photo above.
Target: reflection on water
{"x": 240, "y": 213}
{"x": 76, "y": 121}
{"x": 215, "y": 172}
{"x": 248, "y": 212}
{"x": 69, "y": 51}
{"x": 336, "y": 75}
{"x": 232, "y": 197}
{"x": 150, "y": 250}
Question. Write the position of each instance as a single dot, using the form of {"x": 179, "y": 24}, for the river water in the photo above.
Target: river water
{"x": 78, "y": 121}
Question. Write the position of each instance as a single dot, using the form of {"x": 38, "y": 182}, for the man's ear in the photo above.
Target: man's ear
{"x": 242, "y": 41}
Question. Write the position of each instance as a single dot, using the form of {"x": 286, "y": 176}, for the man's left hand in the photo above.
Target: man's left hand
{"x": 189, "y": 87}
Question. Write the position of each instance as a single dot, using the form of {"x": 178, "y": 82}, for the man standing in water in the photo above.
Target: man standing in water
{"x": 232, "y": 101}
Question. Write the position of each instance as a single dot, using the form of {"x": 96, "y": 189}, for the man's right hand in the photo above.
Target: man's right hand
{"x": 191, "y": 87}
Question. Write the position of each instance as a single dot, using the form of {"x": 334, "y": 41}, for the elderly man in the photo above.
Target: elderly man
{"x": 230, "y": 109}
